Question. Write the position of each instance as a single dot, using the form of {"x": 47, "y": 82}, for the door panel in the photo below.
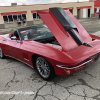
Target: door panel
{"x": 14, "y": 49}
{"x": 5, "y": 46}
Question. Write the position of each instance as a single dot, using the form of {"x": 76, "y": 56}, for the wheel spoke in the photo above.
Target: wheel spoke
{"x": 46, "y": 72}
{"x": 39, "y": 69}
{"x": 39, "y": 63}
{"x": 42, "y": 72}
{"x": 45, "y": 65}
{"x": 47, "y": 69}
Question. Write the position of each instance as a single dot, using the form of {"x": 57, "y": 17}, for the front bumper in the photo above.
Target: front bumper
{"x": 60, "y": 66}
{"x": 69, "y": 70}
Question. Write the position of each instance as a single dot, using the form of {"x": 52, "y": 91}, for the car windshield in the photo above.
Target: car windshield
{"x": 37, "y": 33}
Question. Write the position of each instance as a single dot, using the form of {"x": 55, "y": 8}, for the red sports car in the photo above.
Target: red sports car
{"x": 60, "y": 47}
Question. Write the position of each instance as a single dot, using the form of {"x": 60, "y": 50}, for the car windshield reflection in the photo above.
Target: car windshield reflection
{"x": 37, "y": 34}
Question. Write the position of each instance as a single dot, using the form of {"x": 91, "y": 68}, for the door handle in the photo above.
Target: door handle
{"x": 4, "y": 40}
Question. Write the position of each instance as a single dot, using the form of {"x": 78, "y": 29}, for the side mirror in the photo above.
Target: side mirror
{"x": 13, "y": 38}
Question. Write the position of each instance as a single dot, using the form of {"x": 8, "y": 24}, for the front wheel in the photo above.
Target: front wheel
{"x": 44, "y": 68}
{"x": 1, "y": 54}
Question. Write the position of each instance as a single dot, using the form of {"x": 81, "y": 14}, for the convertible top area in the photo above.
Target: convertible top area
{"x": 28, "y": 28}
{"x": 37, "y": 33}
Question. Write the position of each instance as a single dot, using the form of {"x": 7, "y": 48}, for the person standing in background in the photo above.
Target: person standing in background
{"x": 24, "y": 21}
{"x": 99, "y": 13}
{"x": 19, "y": 21}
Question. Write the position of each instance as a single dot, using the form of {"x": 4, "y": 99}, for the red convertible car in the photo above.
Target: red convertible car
{"x": 61, "y": 47}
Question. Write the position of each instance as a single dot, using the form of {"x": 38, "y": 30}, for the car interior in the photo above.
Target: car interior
{"x": 38, "y": 34}
{"x": 14, "y": 34}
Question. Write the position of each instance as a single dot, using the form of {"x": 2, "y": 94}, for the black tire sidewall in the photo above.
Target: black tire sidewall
{"x": 2, "y": 54}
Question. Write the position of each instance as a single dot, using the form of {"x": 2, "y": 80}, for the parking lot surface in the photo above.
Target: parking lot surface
{"x": 17, "y": 77}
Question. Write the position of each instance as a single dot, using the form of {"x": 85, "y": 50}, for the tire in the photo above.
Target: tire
{"x": 44, "y": 68}
{"x": 1, "y": 53}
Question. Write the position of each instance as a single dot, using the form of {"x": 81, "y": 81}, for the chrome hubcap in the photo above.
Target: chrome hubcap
{"x": 1, "y": 54}
{"x": 42, "y": 67}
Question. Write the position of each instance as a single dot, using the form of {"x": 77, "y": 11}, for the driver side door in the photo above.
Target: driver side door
{"x": 14, "y": 47}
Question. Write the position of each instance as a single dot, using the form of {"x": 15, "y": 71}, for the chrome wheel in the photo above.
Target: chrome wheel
{"x": 43, "y": 67}
{"x": 1, "y": 53}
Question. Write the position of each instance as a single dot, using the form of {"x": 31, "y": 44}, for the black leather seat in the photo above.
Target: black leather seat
{"x": 16, "y": 34}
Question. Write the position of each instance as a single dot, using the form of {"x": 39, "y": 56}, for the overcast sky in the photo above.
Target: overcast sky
{"x": 28, "y": 2}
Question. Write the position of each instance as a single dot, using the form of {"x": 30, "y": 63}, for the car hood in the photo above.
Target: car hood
{"x": 60, "y": 22}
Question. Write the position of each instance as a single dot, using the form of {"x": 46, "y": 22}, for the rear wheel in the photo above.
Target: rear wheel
{"x": 44, "y": 68}
{"x": 1, "y": 54}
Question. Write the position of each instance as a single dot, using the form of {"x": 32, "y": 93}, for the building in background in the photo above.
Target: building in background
{"x": 96, "y": 8}
{"x": 10, "y": 14}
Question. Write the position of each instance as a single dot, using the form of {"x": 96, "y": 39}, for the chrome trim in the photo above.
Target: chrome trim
{"x": 19, "y": 60}
{"x": 26, "y": 59}
{"x": 60, "y": 66}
